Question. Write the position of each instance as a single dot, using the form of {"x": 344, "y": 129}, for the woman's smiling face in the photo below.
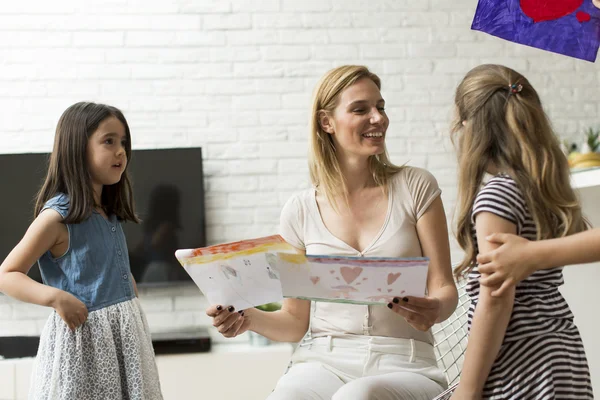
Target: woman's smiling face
{"x": 359, "y": 122}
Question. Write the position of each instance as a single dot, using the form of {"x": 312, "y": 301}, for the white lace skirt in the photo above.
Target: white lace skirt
{"x": 109, "y": 357}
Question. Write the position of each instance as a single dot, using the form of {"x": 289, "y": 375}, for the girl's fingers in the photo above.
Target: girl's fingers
{"x": 486, "y": 268}
{"x": 499, "y": 238}
{"x": 502, "y": 290}
{"x": 492, "y": 280}
{"x": 484, "y": 258}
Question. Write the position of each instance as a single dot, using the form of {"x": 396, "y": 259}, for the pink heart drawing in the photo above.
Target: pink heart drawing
{"x": 315, "y": 279}
{"x": 393, "y": 277}
{"x": 332, "y": 271}
{"x": 350, "y": 274}
{"x": 390, "y": 290}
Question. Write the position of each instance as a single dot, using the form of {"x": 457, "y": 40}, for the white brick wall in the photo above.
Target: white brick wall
{"x": 235, "y": 77}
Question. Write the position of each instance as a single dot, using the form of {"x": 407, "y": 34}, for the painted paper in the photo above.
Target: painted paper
{"x": 259, "y": 271}
{"x": 569, "y": 27}
{"x": 359, "y": 280}
{"x": 238, "y": 273}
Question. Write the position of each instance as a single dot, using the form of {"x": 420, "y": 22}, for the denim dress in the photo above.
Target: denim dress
{"x": 110, "y": 356}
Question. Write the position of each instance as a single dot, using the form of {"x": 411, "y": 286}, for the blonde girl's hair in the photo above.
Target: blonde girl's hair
{"x": 325, "y": 172}
{"x": 505, "y": 124}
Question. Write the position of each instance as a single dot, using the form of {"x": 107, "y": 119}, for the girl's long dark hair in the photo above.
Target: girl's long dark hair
{"x": 68, "y": 170}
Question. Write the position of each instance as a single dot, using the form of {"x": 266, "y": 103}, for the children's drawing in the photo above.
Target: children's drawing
{"x": 272, "y": 267}
{"x": 265, "y": 270}
{"x": 569, "y": 27}
{"x": 350, "y": 274}
{"x": 229, "y": 272}
{"x": 242, "y": 274}
{"x": 360, "y": 280}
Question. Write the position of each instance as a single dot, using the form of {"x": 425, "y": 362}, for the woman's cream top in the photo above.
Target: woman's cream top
{"x": 412, "y": 190}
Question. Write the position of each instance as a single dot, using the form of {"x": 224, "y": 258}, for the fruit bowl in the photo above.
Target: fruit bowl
{"x": 584, "y": 160}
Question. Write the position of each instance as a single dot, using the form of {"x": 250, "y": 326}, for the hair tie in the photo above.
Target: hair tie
{"x": 515, "y": 88}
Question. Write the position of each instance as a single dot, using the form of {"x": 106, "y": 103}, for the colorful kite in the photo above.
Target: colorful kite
{"x": 569, "y": 27}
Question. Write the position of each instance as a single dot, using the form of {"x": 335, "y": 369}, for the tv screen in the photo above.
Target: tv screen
{"x": 168, "y": 190}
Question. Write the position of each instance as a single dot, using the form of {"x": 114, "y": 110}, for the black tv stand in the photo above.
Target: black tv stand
{"x": 182, "y": 341}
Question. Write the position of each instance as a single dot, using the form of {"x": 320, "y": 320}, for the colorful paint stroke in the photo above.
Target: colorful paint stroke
{"x": 569, "y": 27}
{"x": 225, "y": 251}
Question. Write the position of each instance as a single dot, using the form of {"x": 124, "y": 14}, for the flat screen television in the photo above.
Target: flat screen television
{"x": 168, "y": 189}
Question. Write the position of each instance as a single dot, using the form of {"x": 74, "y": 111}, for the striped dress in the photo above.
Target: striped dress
{"x": 542, "y": 355}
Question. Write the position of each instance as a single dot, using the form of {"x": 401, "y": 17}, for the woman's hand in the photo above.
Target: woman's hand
{"x": 596, "y": 3}
{"x": 70, "y": 309}
{"x": 420, "y": 312}
{"x": 227, "y": 321}
{"x": 509, "y": 264}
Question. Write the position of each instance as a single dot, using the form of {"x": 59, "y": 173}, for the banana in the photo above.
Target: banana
{"x": 585, "y": 157}
{"x": 586, "y": 164}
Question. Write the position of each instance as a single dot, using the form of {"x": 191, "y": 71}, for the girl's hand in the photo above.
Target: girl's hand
{"x": 420, "y": 312}
{"x": 596, "y": 3}
{"x": 509, "y": 264}
{"x": 70, "y": 309}
{"x": 227, "y": 321}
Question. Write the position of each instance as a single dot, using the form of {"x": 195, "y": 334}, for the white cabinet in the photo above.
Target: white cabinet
{"x": 586, "y": 179}
{"x": 228, "y": 372}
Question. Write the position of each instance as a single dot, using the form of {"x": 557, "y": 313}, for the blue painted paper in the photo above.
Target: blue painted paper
{"x": 568, "y": 27}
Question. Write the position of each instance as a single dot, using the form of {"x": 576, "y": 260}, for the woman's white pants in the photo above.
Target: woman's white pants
{"x": 361, "y": 368}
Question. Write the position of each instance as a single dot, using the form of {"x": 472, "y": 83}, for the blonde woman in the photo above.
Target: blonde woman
{"x": 361, "y": 205}
{"x": 523, "y": 344}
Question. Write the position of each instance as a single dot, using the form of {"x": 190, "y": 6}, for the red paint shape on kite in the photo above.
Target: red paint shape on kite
{"x": 583, "y": 17}
{"x": 548, "y": 10}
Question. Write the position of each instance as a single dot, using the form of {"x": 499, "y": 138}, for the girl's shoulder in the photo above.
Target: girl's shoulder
{"x": 500, "y": 195}
{"x": 60, "y": 202}
{"x": 500, "y": 185}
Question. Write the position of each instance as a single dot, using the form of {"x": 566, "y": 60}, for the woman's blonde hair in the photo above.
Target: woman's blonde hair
{"x": 500, "y": 120}
{"x": 325, "y": 172}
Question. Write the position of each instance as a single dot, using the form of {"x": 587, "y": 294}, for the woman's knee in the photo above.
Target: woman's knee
{"x": 289, "y": 392}
{"x": 307, "y": 381}
{"x": 396, "y": 386}
{"x": 358, "y": 390}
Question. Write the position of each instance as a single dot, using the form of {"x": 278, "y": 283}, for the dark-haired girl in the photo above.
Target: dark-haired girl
{"x": 96, "y": 344}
